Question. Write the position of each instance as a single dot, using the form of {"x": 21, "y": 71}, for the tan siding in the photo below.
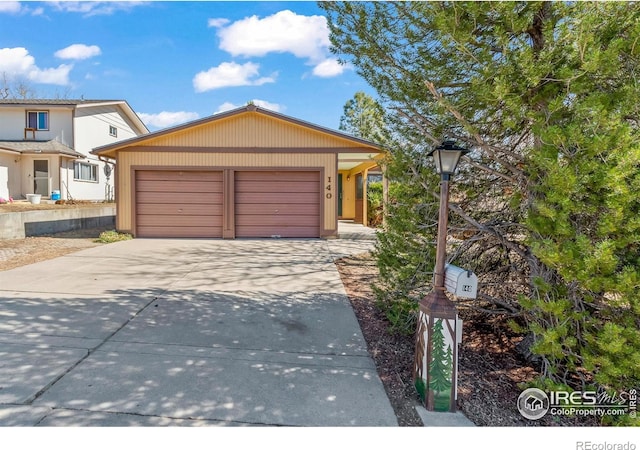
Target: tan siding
{"x": 251, "y": 130}
{"x": 127, "y": 160}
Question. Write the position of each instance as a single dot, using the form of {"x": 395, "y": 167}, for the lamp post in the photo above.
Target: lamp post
{"x": 436, "y": 357}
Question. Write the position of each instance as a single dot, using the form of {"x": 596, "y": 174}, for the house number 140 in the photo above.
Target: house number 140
{"x": 328, "y": 188}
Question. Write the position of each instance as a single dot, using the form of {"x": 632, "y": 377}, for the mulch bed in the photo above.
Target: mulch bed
{"x": 491, "y": 371}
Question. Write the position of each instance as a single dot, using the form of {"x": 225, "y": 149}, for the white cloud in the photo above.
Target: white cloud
{"x": 217, "y": 23}
{"x": 283, "y": 32}
{"x": 227, "y": 106}
{"x": 58, "y": 75}
{"x": 305, "y": 37}
{"x": 167, "y": 118}
{"x": 230, "y": 74}
{"x": 328, "y": 68}
{"x": 17, "y": 62}
{"x": 268, "y": 105}
{"x": 10, "y": 7}
{"x": 96, "y": 8}
{"x": 78, "y": 51}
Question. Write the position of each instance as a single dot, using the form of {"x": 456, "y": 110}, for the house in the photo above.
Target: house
{"x": 249, "y": 172}
{"x": 45, "y": 145}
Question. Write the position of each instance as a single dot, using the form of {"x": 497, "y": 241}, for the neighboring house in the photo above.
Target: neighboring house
{"x": 45, "y": 145}
{"x": 249, "y": 172}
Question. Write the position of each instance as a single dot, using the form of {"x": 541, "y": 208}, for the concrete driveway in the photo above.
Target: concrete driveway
{"x": 186, "y": 332}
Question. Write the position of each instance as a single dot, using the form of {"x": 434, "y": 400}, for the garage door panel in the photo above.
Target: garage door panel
{"x": 187, "y": 175}
{"x": 184, "y": 187}
{"x": 177, "y": 220}
{"x": 183, "y": 209}
{"x": 275, "y": 220}
{"x": 284, "y": 187}
{"x": 178, "y": 198}
{"x": 266, "y": 197}
{"x": 278, "y": 208}
{"x": 280, "y": 231}
{"x": 267, "y": 176}
{"x": 181, "y": 232}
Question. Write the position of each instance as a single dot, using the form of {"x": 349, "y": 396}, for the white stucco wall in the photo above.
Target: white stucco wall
{"x": 91, "y": 125}
{"x": 9, "y": 175}
{"x": 13, "y": 121}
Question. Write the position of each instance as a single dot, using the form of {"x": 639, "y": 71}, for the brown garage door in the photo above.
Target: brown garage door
{"x": 284, "y": 204}
{"x": 178, "y": 203}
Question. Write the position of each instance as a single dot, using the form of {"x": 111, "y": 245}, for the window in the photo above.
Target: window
{"x": 38, "y": 120}
{"x": 85, "y": 172}
{"x": 359, "y": 187}
{"x": 113, "y": 131}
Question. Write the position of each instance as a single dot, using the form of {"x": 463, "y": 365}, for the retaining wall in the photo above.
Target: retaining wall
{"x": 17, "y": 225}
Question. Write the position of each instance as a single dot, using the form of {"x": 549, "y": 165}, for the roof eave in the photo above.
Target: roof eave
{"x": 103, "y": 150}
{"x": 126, "y": 108}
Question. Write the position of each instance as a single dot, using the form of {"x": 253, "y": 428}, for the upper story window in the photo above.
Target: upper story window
{"x": 38, "y": 120}
{"x": 113, "y": 131}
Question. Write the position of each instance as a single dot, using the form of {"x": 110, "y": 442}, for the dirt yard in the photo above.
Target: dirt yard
{"x": 20, "y": 252}
{"x": 21, "y": 206}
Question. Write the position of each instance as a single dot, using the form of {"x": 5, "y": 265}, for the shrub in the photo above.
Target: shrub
{"x": 107, "y": 237}
{"x": 374, "y": 204}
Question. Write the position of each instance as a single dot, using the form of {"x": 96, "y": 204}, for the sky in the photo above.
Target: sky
{"x": 174, "y": 62}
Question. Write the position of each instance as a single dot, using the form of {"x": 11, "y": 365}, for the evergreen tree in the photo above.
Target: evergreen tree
{"x": 364, "y": 118}
{"x": 546, "y": 95}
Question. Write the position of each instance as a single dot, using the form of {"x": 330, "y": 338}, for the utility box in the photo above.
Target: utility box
{"x": 460, "y": 282}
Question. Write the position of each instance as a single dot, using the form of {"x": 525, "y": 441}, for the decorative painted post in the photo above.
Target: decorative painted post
{"x": 436, "y": 358}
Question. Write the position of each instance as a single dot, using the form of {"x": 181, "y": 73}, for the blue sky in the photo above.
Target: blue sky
{"x": 179, "y": 61}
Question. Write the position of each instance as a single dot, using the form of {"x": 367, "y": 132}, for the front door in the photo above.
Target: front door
{"x": 41, "y": 177}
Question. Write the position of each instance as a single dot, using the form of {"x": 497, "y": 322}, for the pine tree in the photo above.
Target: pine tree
{"x": 364, "y": 118}
{"x": 546, "y": 95}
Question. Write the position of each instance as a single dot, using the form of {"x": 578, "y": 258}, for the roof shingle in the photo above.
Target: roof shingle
{"x": 47, "y": 147}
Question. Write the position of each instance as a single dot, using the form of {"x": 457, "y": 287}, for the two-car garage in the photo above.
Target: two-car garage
{"x": 249, "y": 172}
{"x": 193, "y": 203}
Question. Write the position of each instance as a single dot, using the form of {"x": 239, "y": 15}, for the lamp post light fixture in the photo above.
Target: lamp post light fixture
{"x": 446, "y": 157}
{"x": 436, "y": 358}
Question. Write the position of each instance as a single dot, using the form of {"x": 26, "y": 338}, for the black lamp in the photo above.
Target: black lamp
{"x": 446, "y": 157}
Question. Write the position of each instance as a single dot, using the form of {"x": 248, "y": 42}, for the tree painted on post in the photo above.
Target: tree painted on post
{"x": 440, "y": 368}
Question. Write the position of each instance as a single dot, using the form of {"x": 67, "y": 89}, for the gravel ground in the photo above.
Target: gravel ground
{"x": 20, "y": 252}
{"x": 22, "y": 205}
